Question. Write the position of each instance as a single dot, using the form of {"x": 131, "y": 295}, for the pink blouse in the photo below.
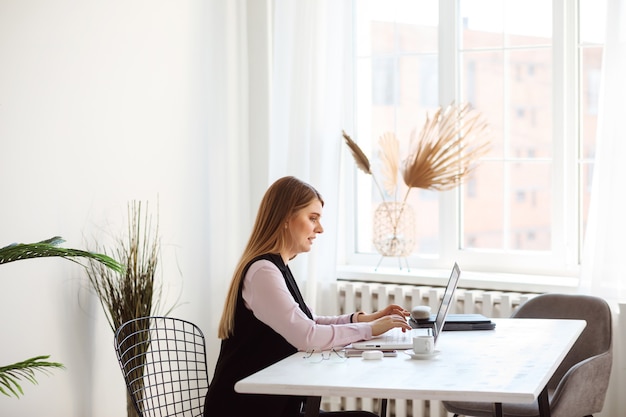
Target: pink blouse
{"x": 266, "y": 295}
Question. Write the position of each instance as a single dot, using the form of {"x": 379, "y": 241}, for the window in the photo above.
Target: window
{"x": 532, "y": 68}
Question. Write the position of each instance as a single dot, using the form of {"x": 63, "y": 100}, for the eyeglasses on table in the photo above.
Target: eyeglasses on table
{"x": 316, "y": 355}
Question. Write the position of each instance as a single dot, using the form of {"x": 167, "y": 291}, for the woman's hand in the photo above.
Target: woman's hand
{"x": 390, "y": 310}
{"x": 386, "y": 319}
{"x": 388, "y": 322}
{"x": 393, "y": 309}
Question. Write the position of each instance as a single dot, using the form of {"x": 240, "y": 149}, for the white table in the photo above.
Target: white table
{"x": 512, "y": 363}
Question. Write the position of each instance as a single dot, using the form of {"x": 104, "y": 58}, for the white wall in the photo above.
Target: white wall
{"x": 103, "y": 102}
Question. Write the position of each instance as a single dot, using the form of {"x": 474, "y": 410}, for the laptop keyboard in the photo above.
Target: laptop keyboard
{"x": 396, "y": 336}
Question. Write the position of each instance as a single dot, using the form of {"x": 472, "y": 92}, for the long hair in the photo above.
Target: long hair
{"x": 282, "y": 200}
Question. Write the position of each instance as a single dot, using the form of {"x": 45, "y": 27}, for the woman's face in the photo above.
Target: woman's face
{"x": 302, "y": 228}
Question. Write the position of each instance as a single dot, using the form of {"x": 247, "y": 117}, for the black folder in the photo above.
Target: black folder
{"x": 457, "y": 322}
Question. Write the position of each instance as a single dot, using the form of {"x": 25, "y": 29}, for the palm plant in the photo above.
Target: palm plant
{"x": 11, "y": 375}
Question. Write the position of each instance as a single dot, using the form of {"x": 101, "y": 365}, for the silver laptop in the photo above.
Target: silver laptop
{"x": 397, "y": 339}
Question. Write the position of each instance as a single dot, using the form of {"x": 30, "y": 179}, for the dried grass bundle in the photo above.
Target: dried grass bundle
{"x": 362, "y": 162}
{"x": 390, "y": 155}
{"x": 443, "y": 155}
{"x": 133, "y": 292}
{"x": 446, "y": 150}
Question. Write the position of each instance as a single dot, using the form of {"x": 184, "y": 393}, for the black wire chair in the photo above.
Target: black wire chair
{"x": 163, "y": 361}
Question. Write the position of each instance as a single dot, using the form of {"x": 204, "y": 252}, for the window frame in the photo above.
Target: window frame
{"x": 561, "y": 264}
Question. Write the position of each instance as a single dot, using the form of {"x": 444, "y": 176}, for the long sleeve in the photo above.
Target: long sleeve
{"x": 266, "y": 295}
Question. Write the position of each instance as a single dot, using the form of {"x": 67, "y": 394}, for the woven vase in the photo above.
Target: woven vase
{"x": 394, "y": 229}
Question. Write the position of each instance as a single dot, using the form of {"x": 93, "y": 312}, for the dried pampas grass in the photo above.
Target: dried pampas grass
{"x": 442, "y": 156}
{"x": 390, "y": 155}
{"x": 447, "y": 149}
{"x": 362, "y": 162}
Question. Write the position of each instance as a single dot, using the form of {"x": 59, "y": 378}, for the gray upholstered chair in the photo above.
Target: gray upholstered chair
{"x": 579, "y": 385}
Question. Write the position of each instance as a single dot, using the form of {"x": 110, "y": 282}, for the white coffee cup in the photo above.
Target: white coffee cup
{"x": 423, "y": 344}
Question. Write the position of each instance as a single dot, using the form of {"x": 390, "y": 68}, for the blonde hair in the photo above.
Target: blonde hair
{"x": 283, "y": 199}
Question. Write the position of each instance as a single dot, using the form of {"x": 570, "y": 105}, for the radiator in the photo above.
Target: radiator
{"x": 354, "y": 296}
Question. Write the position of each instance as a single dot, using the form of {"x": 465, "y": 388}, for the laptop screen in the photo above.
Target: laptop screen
{"x": 442, "y": 313}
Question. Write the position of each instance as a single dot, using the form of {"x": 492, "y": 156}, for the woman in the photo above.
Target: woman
{"x": 265, "y": 318}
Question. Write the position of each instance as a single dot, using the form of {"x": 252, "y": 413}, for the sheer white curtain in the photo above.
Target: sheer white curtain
{"x": 602, "y": 271}
{"x": 310, "y": 57}
{"x": 227, "y": 220}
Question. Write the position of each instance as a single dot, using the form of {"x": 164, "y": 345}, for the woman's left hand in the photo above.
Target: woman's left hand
{"x": 390, "y": 310}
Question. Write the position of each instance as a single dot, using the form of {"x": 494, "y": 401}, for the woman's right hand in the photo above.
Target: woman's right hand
{"x": 385, "y": 323}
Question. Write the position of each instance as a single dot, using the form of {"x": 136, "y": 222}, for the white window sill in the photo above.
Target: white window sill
{"x": 469, "y": 279}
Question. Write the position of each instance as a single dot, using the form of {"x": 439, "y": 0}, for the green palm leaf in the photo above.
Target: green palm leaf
{"x": 10, "y": 375}
{"x": 49, "y": 248}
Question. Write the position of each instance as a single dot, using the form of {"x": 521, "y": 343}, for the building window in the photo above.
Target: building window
{"x": 383, "y": 82}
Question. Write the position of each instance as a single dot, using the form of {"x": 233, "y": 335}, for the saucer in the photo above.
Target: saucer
{"x": 414, "y": 355}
